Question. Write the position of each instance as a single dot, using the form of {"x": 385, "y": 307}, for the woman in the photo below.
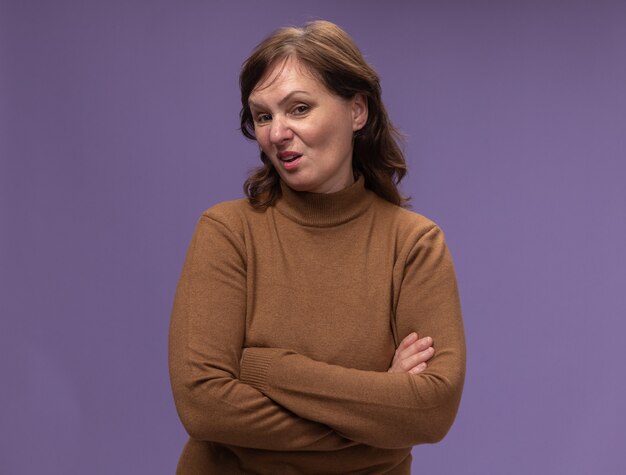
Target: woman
{"x": 293, "y": 341}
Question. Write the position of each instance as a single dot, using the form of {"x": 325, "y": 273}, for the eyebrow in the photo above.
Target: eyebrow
{"x": 251, "y": 103}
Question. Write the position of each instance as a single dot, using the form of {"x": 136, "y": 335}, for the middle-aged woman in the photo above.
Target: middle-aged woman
{"x": 294, "y": 341}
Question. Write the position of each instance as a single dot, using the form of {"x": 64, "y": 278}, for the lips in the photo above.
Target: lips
{"x": 288, "y": 156}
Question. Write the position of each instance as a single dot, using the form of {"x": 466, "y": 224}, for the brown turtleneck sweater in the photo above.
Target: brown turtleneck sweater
{"x": 285, "y": 322}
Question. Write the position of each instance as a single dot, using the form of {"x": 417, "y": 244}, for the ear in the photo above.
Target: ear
{"x": 359, "y": 111}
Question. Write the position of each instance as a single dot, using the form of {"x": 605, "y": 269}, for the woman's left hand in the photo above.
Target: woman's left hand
{"x": 412, "y": 354}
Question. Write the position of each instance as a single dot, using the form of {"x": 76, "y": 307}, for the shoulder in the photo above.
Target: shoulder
{"x": 419, "y": 241}
{"x": 223, "y": 227}
{"x": 232, "y": 214}
{"x": 411, "y": 233}
{"x": 236, "y": 220}
{"x": 408, "y": 224}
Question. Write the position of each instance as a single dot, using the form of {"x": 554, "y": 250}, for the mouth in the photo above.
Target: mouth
{"x": 289, "y": 160}
{"x": 288, "y": 156}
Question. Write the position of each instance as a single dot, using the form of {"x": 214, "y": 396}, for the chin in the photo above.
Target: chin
{"x": 299, "y": 184}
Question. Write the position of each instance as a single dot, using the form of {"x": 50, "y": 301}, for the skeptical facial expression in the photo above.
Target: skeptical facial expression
{"x": 305, "y": 129}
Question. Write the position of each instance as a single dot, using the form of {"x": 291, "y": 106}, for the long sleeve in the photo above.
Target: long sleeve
{"x": 382, "y": 409}
{"x": 205, "y": 343}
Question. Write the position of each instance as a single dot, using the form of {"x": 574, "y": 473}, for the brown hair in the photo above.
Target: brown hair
{"x": 328, "y": 52}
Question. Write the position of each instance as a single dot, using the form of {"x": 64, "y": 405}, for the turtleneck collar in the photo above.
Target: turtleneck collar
{"x": 324, "y": 209}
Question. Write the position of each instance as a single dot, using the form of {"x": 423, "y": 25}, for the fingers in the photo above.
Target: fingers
{"x": 417, "y": 362}
{"x": 412, "y": 354}
{"x": 413, "y": 346}
{"x": 408, "y": 341}
{"x": 418, "y": 369}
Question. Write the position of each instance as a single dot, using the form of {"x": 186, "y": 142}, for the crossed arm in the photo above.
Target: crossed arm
{"x": 248, "y": 398}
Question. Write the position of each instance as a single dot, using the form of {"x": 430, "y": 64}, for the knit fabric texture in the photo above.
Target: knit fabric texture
{"x": 285, "y": 322}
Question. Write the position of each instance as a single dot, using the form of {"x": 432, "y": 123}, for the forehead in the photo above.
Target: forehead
{"x": 284, "y": 76}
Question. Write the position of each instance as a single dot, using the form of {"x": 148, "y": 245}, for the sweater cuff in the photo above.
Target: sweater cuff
{"x": 255, "y": 366}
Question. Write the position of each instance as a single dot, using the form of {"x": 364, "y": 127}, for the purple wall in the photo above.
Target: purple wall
{"x": 118, "y": 126}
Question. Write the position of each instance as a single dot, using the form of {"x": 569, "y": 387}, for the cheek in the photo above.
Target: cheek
{"x": 338, "y": 138}
{"x": 337, "y": 130}
{"x": 318, "y": 134}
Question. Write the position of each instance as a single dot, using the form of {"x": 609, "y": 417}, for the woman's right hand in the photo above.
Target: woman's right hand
{"x": 412, "y": 354}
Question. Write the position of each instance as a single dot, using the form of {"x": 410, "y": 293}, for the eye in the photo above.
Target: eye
{"x": 262, "y": 118}
{"x": 301, "y": 109}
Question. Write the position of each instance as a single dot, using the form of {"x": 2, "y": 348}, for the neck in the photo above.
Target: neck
{"x": 325, "y": 209}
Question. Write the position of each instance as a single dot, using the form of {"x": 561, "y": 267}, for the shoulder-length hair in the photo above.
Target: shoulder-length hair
{"x": 330, "y": 54}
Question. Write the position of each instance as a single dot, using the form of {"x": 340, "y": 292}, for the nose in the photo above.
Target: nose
{"x": 280, "y": 132}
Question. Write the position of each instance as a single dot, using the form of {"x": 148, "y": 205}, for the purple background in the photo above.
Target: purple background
{"x": 118, "y": 126}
